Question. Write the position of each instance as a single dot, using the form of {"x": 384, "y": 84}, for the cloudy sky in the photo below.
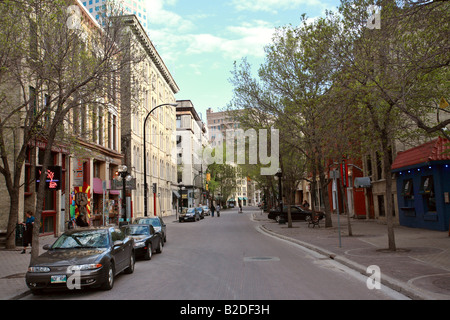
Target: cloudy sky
{"x": 200, "y": 39}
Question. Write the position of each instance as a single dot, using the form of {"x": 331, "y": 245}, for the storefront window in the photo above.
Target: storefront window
{"x": 427, "y": 191}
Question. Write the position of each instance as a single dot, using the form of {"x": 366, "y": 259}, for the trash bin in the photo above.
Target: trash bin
{"x": 19, "y": 234}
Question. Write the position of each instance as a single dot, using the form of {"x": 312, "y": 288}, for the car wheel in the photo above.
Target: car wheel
{"x": 109, "y": 278}
{"x": 277, "y": 218}
{"x": 130, "y": 268}
{"x": 159, "y": 248}
{"x": 149, "y": 252}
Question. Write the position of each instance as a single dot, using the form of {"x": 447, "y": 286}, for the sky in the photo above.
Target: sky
{"x": 199, "y": 40}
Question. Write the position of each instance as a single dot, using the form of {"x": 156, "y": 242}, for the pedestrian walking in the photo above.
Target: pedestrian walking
{"x": 28, "y": 233}
{"x": 212, "y": 210}
{"x": 218, "y": 210}
{"x": 240, "y": 207}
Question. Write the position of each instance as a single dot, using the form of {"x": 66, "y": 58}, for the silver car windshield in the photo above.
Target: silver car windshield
{"x": 153, "y": 221}
{"x": 84, "y": 239}
{"x": 135, "y": 230}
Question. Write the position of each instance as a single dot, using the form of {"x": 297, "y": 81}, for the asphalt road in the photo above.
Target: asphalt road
{"x": 229, "y": 258}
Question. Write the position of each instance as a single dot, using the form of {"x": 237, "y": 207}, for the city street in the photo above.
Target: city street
{"x": 229, "y": 258}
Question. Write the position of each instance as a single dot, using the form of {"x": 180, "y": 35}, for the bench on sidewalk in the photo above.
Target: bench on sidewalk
{"x": 315, "y": 220}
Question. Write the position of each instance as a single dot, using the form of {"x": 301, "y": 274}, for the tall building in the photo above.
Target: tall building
{"x": 191, "y": 139}
{"x": 156, "y": 88}
{"x": 137, "y": 7}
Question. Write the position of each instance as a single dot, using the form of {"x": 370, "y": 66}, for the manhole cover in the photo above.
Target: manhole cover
{"x": 438, "y": 283}
{"x": 250, "y": 259}
{"x": 443, "y": 283}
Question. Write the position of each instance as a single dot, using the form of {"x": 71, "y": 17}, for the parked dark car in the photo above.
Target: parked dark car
{"x": 157, "y": 223}
{"x": 297, "y": 213}
{"x": 190, "y": 215}
{"x": 95, "y": 255}
{"x": 201, "y": 212}
{"x": 146, "y": 239}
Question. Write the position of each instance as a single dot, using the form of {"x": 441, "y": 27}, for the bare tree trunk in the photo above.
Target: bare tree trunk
{"x": 12, "y": 219}
{"x": 389, "y": 204}
{"x": 347, "y": 211}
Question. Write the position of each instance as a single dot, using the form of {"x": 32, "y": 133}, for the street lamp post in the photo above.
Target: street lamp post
{"x": 145, "y": 155}
{"x": 124, "y": 176}
{"x": 180, "y": 201}
{"x": 279, "y": 175}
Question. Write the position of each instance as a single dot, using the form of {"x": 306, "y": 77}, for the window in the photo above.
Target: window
{"x": 427, "y": 191}
{"x": 110, "y": 144}
{"x": 114, "y": 133}
{"x": 28, "y": 182}
{"x": 117, "y": 235}
{"x": 407, "y": 190}
{"x": 369, "y": 166}
{"x": 381, "y": 208}
{"x": 100, "y": 126}
{"x": 379, "y": 160}
{"x": 33, "y": 101}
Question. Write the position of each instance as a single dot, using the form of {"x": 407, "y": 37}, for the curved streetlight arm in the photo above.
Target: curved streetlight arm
{"x": 145, "y": 153}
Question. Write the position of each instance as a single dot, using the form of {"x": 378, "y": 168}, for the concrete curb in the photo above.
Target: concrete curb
{"x": 405, "y": 289}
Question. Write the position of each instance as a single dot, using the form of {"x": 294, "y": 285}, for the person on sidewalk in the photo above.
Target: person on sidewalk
{"x": 212, "y": 210}
{"x": 28, "y": 233}
{"x": 305, "y": 204}
{"x": 218, "y": 210}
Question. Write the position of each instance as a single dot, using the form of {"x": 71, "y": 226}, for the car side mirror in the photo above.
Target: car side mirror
{"x": 47, "y": 247}
{"x": 118, "y": 243}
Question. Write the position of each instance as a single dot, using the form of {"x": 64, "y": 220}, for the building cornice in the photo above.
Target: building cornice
{"x": 134, "y": 24}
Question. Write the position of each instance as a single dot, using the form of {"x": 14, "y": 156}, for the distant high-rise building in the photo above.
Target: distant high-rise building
{"x": 137, "y": 7}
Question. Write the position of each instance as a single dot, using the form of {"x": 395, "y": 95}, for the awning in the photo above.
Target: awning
{"x": 362, "y": 182}
{"x": 97, "y": 185}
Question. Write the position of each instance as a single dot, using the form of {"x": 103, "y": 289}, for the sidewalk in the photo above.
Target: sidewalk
{"x": 13, "y": 267}
{"x": 420, "y": 268}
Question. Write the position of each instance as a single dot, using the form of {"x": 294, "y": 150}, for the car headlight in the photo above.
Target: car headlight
{"x": 158, "y": 229}
{"x": 38, "y": 269}
{"x": 139, "y": 244}
{"x": 84, "y": 267}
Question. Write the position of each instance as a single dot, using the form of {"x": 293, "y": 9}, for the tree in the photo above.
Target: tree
{"x": 392, "y": 71}
{"x": 293, "y": 82}
{"x": 223, "y": 175}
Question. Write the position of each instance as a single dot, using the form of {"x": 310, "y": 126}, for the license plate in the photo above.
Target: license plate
{"x": 58, "y": 279}
{"x": 186, "y": 218}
